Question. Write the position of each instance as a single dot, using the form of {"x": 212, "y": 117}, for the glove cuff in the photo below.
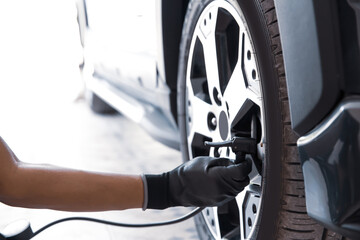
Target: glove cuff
{"x": 157, "y": 186}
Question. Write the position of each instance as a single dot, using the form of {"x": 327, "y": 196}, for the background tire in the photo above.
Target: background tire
{"x": 98, "y": 105}
{"x": 282, "y": 211}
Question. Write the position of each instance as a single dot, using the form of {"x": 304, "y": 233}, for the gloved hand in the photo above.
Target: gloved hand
{"x": 203, "y": 181}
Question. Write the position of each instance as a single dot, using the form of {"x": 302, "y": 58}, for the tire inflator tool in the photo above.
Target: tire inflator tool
{"x": 240, "y": 146}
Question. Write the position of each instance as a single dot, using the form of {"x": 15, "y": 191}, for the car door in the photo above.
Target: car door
{"x": 122, "y": 41}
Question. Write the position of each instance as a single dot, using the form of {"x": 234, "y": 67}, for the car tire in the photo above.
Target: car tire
{"x": 280, "y": 212}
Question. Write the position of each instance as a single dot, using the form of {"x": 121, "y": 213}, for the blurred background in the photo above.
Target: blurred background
{"x": 45, "y": 119}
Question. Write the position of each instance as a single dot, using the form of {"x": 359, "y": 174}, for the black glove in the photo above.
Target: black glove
{"x": 201, "y": 182}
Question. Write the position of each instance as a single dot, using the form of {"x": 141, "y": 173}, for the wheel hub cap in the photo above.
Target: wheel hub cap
{"x": 223, "y": 125}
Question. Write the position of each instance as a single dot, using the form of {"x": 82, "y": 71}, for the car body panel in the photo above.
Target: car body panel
{"x": 349, "y": 24}
{"x": 331, "y": 161}
{"x": 320, "y": 48}
{"x": 118, "y": 48}
{"x": 125, "y": 63}
{"x": 313, "y": 72}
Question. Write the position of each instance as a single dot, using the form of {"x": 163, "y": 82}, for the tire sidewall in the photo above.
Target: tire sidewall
{"x": 272, "y": 176}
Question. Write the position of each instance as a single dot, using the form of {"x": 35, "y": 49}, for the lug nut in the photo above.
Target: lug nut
{"x": 211, "y": 120}
{"x": 217, "y": 96}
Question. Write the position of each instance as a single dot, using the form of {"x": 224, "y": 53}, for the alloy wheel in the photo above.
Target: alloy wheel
{"x": 224, "y": 99}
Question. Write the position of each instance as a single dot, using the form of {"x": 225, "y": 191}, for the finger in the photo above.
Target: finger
{"x": 238, "y": 172}
{"x": 216, "y": 162}
{"x": 240, "y": 185}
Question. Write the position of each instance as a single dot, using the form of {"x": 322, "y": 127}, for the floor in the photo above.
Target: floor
{"x": 71, "y": 135}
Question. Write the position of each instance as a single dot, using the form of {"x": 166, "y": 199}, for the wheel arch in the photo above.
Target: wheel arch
{"x": 312, "y": 56}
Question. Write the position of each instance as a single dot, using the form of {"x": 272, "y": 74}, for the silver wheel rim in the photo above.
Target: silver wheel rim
{"x": 222, "y": 88}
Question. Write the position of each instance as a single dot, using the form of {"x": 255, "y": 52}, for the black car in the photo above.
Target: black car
{"x": 284, "y": 73}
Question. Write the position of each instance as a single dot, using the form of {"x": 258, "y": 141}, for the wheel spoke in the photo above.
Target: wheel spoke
{"x": 240, "y": 200}
{"x": 250, "y": 70}
{"x": 248, "y": 202}
{"x": 236, "y": 92}
{"x": 242, "y": 86}
{"x": 198, "y": 118}
{"x": 211, "y": 63}
{"x": 253, "y": 95}
{"x": 211, "y": 217}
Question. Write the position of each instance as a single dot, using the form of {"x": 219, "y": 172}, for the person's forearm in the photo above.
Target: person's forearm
{"x": 51, "y": 187}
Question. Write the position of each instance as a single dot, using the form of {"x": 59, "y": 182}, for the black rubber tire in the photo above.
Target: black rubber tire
{"x": 283, "y": 212}
{"x": 98, "y": 105}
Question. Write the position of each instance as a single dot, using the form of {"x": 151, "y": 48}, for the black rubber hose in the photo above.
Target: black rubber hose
{"x": 118, "y": 224}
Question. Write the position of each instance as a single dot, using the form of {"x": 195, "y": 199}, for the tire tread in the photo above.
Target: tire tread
{"x": 294, "y": 223}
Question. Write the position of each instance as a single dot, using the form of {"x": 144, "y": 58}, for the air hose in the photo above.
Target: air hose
{"x": 24, "y": 231}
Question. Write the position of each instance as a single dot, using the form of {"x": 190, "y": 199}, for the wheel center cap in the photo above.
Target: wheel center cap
{"x": 223, "y": 125}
